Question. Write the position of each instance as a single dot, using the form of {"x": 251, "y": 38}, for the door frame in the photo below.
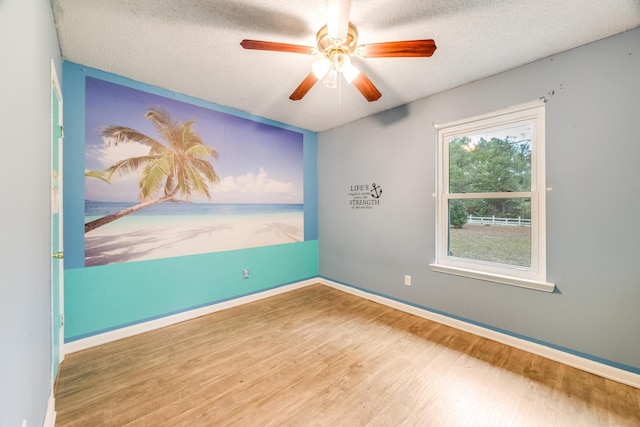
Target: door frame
{"x": 57, "y": 198}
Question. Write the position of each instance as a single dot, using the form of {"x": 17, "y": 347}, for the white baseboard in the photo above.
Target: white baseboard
{"x": 128, "y": 331}
{"x": 597, "y": 368}
{"x": 600, "y": 369}
{"x": 50, "y": 416}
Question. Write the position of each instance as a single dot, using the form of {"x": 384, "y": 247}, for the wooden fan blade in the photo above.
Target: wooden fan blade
{"x": 278, "y": 47}
{"x": 304, "y": 87}
{"x": 409, "y": 48}
{"x": 366, "y": 87}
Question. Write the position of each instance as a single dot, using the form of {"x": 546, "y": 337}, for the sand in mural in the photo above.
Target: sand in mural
{"x": 166, "y": 178}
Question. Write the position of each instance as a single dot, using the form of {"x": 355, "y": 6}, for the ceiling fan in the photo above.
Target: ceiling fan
{"x": 337, "y": 41}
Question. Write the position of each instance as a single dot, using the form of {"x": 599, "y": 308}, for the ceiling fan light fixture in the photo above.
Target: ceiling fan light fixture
{"x": 350, "y": 73}
{"x": 321, "y": 67}
{"x": 341, "y": 60}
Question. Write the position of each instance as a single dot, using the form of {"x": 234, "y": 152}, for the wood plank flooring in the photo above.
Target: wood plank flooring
{"x": 320, "y": 357}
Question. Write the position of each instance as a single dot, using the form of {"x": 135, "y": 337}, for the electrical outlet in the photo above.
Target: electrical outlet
{"x": 407, "y": 280}
{"x": 245, "y": 273}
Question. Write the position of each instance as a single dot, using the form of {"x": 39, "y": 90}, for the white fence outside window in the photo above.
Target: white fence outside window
{"x": 493, "y": 220}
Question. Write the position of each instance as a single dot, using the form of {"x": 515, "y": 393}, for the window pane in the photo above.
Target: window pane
{"x": 496, "y": 161}
{"x": 492, "y": 230}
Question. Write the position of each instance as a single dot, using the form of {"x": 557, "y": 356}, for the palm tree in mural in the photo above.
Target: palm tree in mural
{"x": 176, "y": 170}
{"x": 97, "y": 174}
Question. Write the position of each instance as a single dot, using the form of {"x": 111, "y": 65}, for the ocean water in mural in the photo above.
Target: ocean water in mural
{"x": 243, "y": 188}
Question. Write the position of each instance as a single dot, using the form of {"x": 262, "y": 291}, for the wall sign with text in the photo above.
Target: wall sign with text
{"x": 364, "y": 196}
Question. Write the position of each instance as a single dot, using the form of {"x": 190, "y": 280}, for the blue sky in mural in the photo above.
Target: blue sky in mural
{"x": 257, "y": 163}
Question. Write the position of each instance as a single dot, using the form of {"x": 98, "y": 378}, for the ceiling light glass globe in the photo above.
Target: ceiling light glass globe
{"x": 331, "y": 79}
{"x": 341, "y": 61}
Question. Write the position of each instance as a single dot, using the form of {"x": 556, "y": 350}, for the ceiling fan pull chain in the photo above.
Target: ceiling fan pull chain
{"x": 339, "y": 94}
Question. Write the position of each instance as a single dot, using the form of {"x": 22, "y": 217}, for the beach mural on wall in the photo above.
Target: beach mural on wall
{"x": 165, "y": 178}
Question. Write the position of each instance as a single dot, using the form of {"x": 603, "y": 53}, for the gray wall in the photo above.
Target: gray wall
{"x": 593, "y": 212}
{"x": 28, "y": 41}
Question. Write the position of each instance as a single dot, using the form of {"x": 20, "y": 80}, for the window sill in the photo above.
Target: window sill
{"x": 497, "y": 278}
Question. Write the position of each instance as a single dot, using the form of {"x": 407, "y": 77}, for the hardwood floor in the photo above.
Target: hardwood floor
{"x": 320, "y": 357}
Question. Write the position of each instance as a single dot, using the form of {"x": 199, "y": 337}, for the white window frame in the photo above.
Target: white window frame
{"x": 533, "y": 277}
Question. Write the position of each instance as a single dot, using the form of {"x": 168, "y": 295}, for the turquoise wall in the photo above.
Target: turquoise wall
{"x": 103, "y": 298}
{"x": 108, "y": 297}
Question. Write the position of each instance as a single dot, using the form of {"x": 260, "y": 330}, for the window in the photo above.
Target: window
{"x": 491, "y": 198}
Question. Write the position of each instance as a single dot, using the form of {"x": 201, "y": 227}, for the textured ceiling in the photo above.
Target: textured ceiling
{"x": 193, "y": 46}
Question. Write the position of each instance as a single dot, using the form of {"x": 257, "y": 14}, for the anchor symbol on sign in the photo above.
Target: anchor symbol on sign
{"x": 375, "y": 193}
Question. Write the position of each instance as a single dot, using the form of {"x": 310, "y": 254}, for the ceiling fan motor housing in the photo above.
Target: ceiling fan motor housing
{"x": 337, "y": 50}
